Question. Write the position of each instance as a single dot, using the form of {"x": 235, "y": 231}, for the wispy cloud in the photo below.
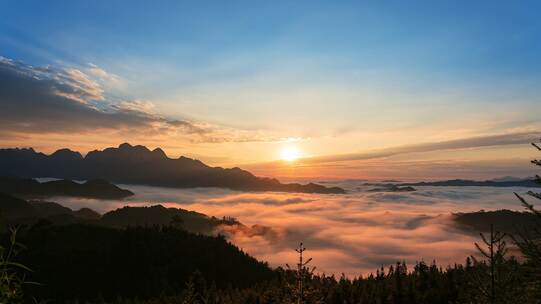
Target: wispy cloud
{"x": 41, "y": 100}
{"x": 102, "y": 74}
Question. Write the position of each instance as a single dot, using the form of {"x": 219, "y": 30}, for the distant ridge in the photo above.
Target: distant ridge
{"x": 506, "y": 221}
{"x": 488, "y": 183}
{"x": 393, "y": 189}
{"x": 529, "y": 183}
{"x": 95, "y": 188}
{"x": 138, "y": 165}
{"x": 16, "y": 211}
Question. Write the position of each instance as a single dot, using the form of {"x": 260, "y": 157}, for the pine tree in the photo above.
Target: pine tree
{"x": 529, "y": 242}
{"x": 302, "y": 290}
{"x": 190, "y": 296}
{"x": 399, "y": 275}
{"x": 495, "y": 252}
{"x": 496, "y": 279}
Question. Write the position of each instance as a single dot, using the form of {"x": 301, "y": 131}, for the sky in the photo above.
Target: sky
{"x": 292, "y": 89}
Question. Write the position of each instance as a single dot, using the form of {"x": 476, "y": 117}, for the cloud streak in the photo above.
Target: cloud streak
{"x": 464, "y": 143}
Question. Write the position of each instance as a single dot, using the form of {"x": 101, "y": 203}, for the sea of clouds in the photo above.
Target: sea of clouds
{"x": 352, "y": 234}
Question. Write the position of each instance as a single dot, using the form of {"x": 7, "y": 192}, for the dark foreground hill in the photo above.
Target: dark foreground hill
{"x": 97, "y": 188}
{"x": 93, "y": 263}
{"x": 80, "y": 255}
{"x": 138, "y": 165}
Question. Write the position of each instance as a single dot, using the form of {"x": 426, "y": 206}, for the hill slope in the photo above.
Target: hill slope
{"x": 89, "y": 263}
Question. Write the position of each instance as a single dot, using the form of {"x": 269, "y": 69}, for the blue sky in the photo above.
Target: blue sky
{"x": 341, "y": 75}
{"x": 482, "y": 35}
{"x": 456, "y": 40}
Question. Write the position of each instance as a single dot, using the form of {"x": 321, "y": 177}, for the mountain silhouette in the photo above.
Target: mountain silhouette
{"x": 138, "y": 165}
{"x": 95, "y": 188}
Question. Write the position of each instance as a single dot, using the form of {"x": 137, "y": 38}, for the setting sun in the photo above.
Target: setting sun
{"x": 290, "y": 153}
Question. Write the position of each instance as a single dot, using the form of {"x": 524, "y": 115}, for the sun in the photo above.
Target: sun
{"x": 290, "y": 154}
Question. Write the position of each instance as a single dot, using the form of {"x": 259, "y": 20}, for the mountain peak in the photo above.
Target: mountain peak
{"x": 125, "y": 146}
{"x": 159, "y": 152}
{"x": 67, "y": 153}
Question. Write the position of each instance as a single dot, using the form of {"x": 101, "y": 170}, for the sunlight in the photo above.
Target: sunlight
{"x": 290, "y": 154}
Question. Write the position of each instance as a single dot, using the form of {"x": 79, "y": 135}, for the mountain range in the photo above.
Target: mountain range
{"x": 138, "y": 165}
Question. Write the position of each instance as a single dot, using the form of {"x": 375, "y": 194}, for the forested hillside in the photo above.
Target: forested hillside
{"x": 90, "y": 262}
